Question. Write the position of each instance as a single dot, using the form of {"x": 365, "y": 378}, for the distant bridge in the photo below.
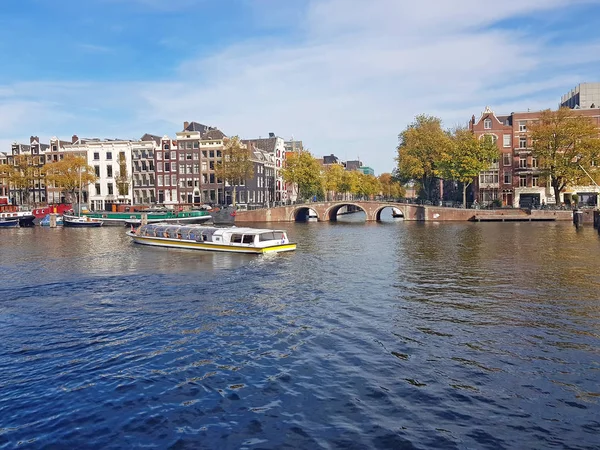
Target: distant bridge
{"x": 328, "y": 211}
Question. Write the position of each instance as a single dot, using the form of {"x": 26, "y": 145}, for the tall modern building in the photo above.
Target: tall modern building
{"x": 582, "y": 96}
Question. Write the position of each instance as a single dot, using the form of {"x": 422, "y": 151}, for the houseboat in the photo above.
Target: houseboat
{"x": 155, "y": 215}
{"x": 24, "y": 218}
{"x": 198, "y": 237}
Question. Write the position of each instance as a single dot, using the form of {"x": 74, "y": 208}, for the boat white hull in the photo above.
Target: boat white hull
{"x": 209, "y": 246}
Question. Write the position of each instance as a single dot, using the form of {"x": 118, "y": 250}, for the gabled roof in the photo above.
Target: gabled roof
{"x": 195, "y": 126}
{"x": 213, "y": 133}
{"x": 331, "y": 159}
{"x": 266, "y": 144}
{"x": 150, "y": 137}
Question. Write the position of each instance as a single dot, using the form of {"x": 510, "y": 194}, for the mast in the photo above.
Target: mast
{"x": 79, "y": 199}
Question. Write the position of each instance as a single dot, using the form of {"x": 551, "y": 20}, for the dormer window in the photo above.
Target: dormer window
{"x": 487, "y": 124}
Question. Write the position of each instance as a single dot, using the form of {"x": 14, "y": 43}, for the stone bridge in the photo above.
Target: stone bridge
{"x": 327, "y": 211}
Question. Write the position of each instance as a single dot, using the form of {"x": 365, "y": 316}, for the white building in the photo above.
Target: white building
{"x": 104, "y": 156}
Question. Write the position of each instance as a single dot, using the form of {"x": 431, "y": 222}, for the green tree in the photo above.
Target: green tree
{"x": 566, "y": 145}
{"x": 332, "y": 180}
{"x": 304, "y": 171}
{"x": 369, "y": 185}
{"x": 236, "y": 166}
{"x": 22, "y": 174}
{"x": 122, "y": 180}
{"x": 420, "y": 148}
{"x": 465, "y": 157}
{"x": 69, "y": 174}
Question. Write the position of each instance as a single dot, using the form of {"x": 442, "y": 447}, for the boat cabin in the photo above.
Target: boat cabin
{"x": 227, "y": 236}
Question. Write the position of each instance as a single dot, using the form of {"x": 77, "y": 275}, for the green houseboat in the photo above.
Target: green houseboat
{"x": 152, "y": 216}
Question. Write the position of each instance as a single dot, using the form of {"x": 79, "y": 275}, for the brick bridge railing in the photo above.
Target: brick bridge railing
{"x": 327, "y": 211}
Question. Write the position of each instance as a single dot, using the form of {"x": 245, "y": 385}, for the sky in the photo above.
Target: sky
{"x": 344, "y": 76}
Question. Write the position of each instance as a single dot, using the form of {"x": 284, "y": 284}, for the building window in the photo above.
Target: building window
{"x": 97, "y": 186}
{"x": 166, "y": 146}
{"x": 173, "y": 180}
{"x": 212, "y": 153}
{"x": 507, "y": 178}
{"x": 97, "y": 171}
{"x": 159, "y": 156}
{"x": 506, "y": 140}
{"x": 159, "y": 166}
{"x": 109, "y": 155}
{"x": 159, "y": 179}
{"x": 507, "y": 159}
{"x": 109, "y": 172}
{"x": 196, "y": 144}
{"x": 522, "y": 162}
{"x": 110, "y": 188}
{"x": 167, "y": 167}
{"x": 489, "y": 177}
{"x": 522, "y": 142}
{"x": 522, "y": 125}
{"x": 96, "y": 156}
{"x": 535, "y": 181}
{"x": 534, "y": 162}
{"x": 522, "y": 180}
{"x": 487, "y": 124}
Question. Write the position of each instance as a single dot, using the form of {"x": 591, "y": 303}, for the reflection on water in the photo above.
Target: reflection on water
{"x": 370, "y": 335}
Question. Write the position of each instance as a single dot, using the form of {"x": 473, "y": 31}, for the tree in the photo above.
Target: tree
{"x": 21, "y": 174}
{"x": 369, "y": 185}
{"x": 69, "y": 174}
{"x": 304, "y": 171}
{"x": 420, "y": 147}
{"x": 236, "y": 165}
{"x": 332, "y": 178}
{"x": 566, "y": 145}
{"x": 390, "y": 187}
{"x": 122, "y": 179}
{"x": 465, "y": 157}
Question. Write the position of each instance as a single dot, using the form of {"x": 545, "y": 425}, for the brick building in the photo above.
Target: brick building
{"x": 515, "y": 178}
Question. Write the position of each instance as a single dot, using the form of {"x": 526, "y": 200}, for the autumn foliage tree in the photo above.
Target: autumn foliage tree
{"x": 465, "y": 157}
{"x": 303, "y": 171}
{"x": 69, "y": 174}
{"x": 236, "y": 165}
{"x": 420, "y": 148}
{"x": 566, "y": 145}
{"x": 390, "y": 187}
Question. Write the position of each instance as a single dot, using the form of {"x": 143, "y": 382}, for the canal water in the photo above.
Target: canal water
{"x": 386, "y": 335}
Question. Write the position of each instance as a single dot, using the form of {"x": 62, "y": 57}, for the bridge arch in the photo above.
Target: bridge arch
{"x": 397, "y": 212}
{"x": 330, "y": 214}
{"x": 304, "y": 214}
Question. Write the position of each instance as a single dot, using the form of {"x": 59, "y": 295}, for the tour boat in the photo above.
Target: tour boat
{"x": 199, "y": 237}
{"x": 80, "y": 222}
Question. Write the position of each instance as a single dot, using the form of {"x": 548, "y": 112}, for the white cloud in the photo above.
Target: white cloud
{"x": 360, "y": 74}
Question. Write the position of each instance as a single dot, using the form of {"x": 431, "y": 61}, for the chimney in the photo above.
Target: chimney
{"x": 271, "y": 135}
{"x": 185, "y": 125}
{"x": 473, "y": 119}
{"x": 74, "y": 139}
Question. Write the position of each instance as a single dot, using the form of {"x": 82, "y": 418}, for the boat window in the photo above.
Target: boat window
{"x": 271, "y": 236}
{"x": 248, "y": 239}
{"x": 236, "y": 238}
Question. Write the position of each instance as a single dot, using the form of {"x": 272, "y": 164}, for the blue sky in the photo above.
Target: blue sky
{"x": 345, "y": 76}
